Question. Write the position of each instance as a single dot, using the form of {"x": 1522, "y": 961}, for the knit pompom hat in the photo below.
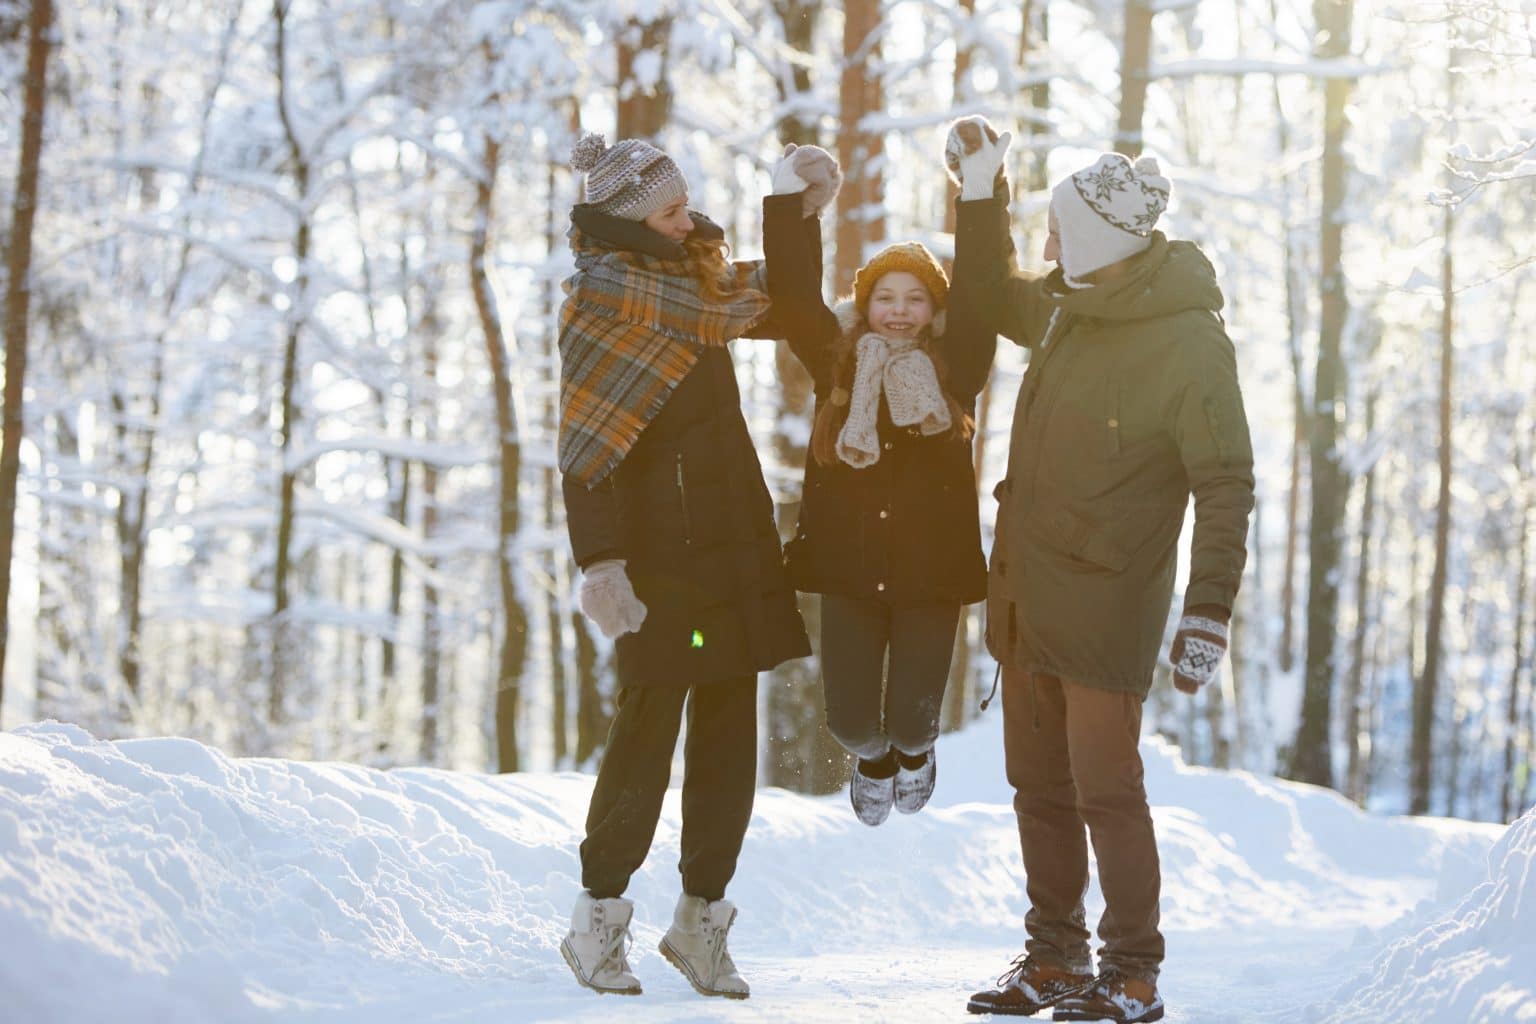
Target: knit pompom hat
{"x": 1106, "y": 212}
{"x": 911, "y": 257}
{"x": 630, "y": 179}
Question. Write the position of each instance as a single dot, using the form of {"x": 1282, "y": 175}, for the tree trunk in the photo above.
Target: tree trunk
{"x": 861, "y": 203}
{"x": 431, "y": 616}
{"x": 1135, "y": 55}
{"x": 957, "y": 691}
{"x": 1295, "y": 315}
{"x": 1421, "y": 756}
{"x": 288, "y": 414}
{"x": 1507, "y": 785}
{"x": 556, "y": 603}
{"x": 18, "y": 296}
{"x": 961, "y": 93}
{"x": 593, "y": 712}
{"x": 1354, "y": 740}
{"x": 644, "y": 93}
{"x": 798, "y": 740}
{"x": 514, "y": 637}
{"x": 1311, "y": 759}
{"x": 1034, "y": 45}
{"x": 798, "y": 21}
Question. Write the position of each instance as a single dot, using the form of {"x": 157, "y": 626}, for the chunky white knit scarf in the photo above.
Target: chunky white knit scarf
{"x": 911, "y": 385}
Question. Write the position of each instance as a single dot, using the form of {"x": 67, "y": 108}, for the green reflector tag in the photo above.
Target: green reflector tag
{"x": 698, "y": 639}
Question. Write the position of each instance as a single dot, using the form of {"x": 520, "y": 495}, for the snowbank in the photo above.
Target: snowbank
{"x": 1473, "y": 965}
{"x": 158, "y": 880}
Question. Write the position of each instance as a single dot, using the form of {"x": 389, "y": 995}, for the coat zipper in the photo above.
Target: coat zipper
{"x": 682, "y": 497}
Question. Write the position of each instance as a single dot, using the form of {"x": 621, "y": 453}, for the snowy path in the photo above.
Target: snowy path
{"x": 158, "y": 880}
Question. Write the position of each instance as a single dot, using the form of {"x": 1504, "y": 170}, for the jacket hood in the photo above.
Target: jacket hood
{"x": 1169, "y": 277}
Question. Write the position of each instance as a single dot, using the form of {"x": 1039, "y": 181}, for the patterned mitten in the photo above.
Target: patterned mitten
{"x": 1198, "y": 648}
{"x": 608, "y": 599}
{"x": 973, "y": 155}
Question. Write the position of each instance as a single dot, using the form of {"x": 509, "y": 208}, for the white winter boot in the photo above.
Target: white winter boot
{"x": 695, "y": 945}
{"x": 597, "y": 943}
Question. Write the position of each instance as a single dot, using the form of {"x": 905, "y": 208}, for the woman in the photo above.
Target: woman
{"x": 673, "y": 527}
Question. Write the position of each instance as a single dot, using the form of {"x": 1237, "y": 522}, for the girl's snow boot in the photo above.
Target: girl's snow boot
{"x": 915, "y": 777}
{"x": 872, "y": 790}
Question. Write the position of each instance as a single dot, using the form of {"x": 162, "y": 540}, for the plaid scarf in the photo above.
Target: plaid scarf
{"x": 631, "y": 328}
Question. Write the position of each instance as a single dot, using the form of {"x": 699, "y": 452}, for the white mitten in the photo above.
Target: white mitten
{"x": 1198, "y": 648}
{"x": 811, "y": 171}
{"x": 973, "y": 154}
{"x": 608, "y": 599}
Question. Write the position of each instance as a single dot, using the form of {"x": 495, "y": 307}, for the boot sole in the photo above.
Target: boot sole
{"x": 1006, "y": 1011}
{"x": 685, "y": 971}
{"x": 570, "y": 960}
{"x": 1156, "y": 1013}
{"x": 1023, "y": 1009}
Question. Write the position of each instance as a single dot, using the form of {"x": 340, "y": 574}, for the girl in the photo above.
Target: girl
{"x": 673, "y": 528}
{"x": 889, "y": 531}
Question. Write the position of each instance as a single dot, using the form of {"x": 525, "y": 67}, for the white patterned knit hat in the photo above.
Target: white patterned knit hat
{"x": 1105, "y": 213}
{"x": 630, "y": 179}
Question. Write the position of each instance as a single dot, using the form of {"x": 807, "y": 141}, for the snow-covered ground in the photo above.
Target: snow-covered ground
{"x": 159, "y": 881}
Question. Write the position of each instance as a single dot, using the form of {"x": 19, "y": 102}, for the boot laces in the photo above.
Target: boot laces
{"x": 1111, "y": 980}
{"x": 714, "y": 938}
{"x": 1016, "y": 969}
{"x": 616, "y": 944}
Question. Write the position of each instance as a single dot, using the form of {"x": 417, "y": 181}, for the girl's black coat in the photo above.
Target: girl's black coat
{"x": 907, "y": 528}
{"x": 689, "y": 511}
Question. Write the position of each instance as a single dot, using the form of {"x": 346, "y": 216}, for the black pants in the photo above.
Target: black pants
{"x": 719, "y": 781}
{"x": 870, "y": 710}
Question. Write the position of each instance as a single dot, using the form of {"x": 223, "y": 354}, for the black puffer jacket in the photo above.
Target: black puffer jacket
{"x": 689, "y": 511}
{"x": 907, "y": 528}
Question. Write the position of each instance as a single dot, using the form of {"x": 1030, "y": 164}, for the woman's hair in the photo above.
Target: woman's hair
{"x": 831, "y": 416}
{"x": 714, "y": 272}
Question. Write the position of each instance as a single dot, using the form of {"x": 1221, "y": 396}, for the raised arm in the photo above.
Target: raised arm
{"x": 792, "y": 243}
{"x": 989, "y": 288}
{"x": 805, "y": 180}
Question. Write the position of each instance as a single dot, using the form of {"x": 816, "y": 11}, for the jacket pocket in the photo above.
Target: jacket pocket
{"x": 1073, "y": 535}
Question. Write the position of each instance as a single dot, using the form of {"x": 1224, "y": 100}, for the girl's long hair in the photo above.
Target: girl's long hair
{"x": 831, "y": 416}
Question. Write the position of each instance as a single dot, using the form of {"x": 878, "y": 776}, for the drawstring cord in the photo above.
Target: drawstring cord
{"x": 985, "y": 701}
{"x": 1034, "y": 702}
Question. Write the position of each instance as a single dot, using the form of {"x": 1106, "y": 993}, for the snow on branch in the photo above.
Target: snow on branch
{"x": 1346, "y": 68}
{"x": 442, "y": 456}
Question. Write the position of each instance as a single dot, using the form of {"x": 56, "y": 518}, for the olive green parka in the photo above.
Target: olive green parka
{"x": 1129, "y": 406}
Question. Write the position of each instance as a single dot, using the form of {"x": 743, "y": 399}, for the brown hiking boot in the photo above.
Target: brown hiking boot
{"x": 1027, "y": 987}
{"x": 1112, "y": 996}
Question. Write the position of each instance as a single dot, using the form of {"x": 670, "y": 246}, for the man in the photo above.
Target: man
{"x": 1130, "y": 405}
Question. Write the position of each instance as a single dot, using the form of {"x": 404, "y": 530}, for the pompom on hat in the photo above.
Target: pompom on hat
{"x": 631, "y": 179}
{"x": 911, "y": 257}
{"x": 1107, "y": 211}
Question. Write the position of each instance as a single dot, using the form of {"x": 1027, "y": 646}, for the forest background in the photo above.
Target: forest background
{"x": 280, "y": 288}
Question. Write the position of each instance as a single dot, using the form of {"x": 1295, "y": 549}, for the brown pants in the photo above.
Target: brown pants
{"x": 1073, "y": 761}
